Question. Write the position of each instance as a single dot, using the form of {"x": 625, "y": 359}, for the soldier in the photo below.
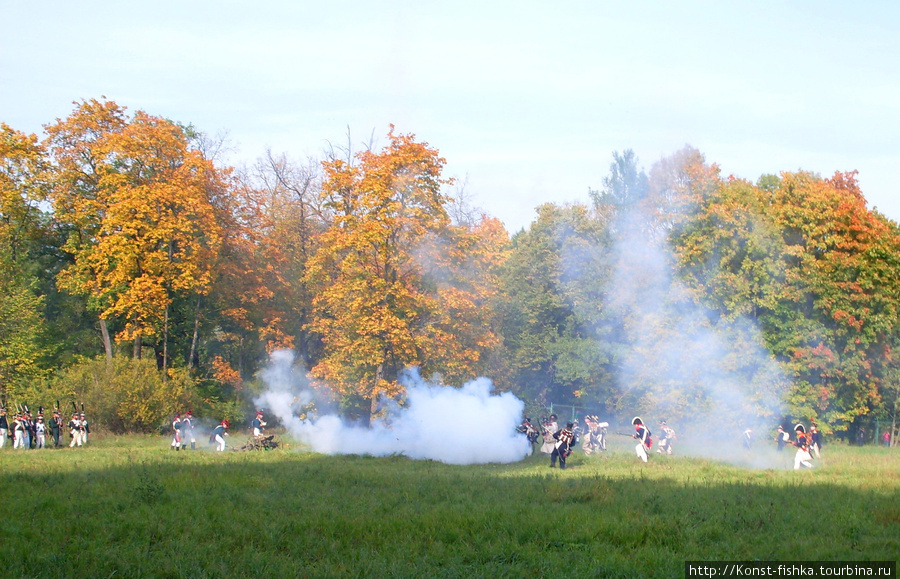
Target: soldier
{"x": 815, "y": 440}
{"x": 218, "y": 436}
{"x": 782, "y": 438}
{"x": 40, "y": 430}
{"x": 176, "y": 437}
{"x": 85, "y": 429}
{"x": 802, "y": 457}
{"x": 595, "y": 438}
{"x": 645, "y": 442}
{"x": 19, "y": 431}
{"x": 29, "y": 430}
{"x": 548, "y": 428}
{"x": 4, "y": 427}
{"x": 566, "y": 439}
{"x": 75, "y": 430}
{"x": 529, "y": 431}
{"x": 55, "y": 427}
{"x": 187, "y": 429}
{"x": 258, "y": 424}
{"x": 665, "y": 441}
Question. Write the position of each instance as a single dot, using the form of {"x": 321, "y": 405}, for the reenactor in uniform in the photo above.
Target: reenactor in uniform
{"x": 815, "y": 438}
{"x": 782, "y": 438}
{"x": 75, "y": 430}
{"x": 665, "y": 441}
{"x": 4, "y": 427}
{"x": 566, "y": 439}
{"x": 643, "y": 436}
{"x": 187, "y": 429}
{"x": 802, "y": 458}
{"x": 29, "y": 430}
{"x": 595, "y": 438}
{"x": 40, "y": 431}
{"x": 530, "y": 432}
{"x": 218, "y": 436}
{"x": 258, "y": 424}
{"x": 19, "y": 431}
{"x": 55, "y": 427}
{"x": 85, "y": 429}
{"x": 176, "y": 437}
{"x": 548, "y": 428}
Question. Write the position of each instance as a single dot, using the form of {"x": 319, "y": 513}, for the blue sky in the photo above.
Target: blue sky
{"x": 525, "y": 100}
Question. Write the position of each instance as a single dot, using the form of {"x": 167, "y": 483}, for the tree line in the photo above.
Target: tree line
{"x": 142, "y": 275}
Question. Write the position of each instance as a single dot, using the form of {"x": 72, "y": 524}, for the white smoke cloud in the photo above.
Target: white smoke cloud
{"x": 467, "y": 425}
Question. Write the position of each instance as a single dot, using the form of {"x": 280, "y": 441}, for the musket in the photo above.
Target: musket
{"x": 625, "y": 434}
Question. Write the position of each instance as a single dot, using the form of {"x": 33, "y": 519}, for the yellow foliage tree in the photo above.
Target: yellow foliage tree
{"x": 385, "y": 299}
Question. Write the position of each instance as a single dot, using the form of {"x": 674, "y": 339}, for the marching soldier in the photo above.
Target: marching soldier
{"x": 258, "y": 424}
{"x": 85, "y": 428}
{"x": 19, "y": 431}
{"x": 75, "y": 430}
{"x": 55, "y": 427}
{"x": 218, "y": 435}
{"x": 4, "y": 427}
{"x": 595, "y": 438}
{"x": 645, "y": 442}
{"x": 566, "y": 439}
{"x": 40, "y": 430}
{"x": 802, "y": 458}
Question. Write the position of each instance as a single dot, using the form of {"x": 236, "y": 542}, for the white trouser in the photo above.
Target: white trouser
{"x": 257, "y": 432}
{"x": 3, "y": 434}
{"x": 19, "y": 440}
{"x": 76, "y": 438}
{"x": 220, "y": 443}
{"x": 641, "y": 451}
{"x": 176, "y": 441}
{"x": 41, "y": 440}
{"x": 802, "y": 458}
{"x": 815, "y": 447}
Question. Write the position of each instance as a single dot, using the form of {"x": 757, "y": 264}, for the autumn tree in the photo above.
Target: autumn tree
{"x": 376, "y": 309}
{"x": 136, "y": 200}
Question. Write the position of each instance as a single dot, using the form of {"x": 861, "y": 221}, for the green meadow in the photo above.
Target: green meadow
{"x": 131, "y": 507}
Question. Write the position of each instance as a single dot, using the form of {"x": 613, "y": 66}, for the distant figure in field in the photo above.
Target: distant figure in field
{"x": 566, "y": 439}
{"x": 218, "y": 436}
{"x": 645, "y": 442}
{"x": 802, "y": 458}
{"x": 861, "y": 436}
{"x": 782, "y": 438}
{"x": 815, "y": 440}
{"x": 548, "y": 428}
{"x": 886, "y": 438}
{"x": 258, "y": 423}
{"x": 19, "y": 431}
{"x": 56, "y": 427}
{"x": 176, "y": 432}
{"x": 40, "y": 432}
{"x": 595, "y": 437}
{"x": 530, "y": 432}
{"x": 666, "y": 440}
{"x": 85, "y": 429}
{"x": 75, "y": 430}
{"x": 747, "y": 439}
{"x": 187, "y": 430}
{"x": 4, "y": 427}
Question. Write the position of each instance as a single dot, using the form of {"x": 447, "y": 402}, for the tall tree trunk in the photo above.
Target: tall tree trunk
{"x": 165, "y": 345}
{"x": 138, "y": 346}
{"x": 196, "y": 336}
{"x": 107, "y": 343}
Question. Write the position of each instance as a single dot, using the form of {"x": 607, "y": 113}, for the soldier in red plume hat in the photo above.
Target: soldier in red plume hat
{"x": 645, "y": 443}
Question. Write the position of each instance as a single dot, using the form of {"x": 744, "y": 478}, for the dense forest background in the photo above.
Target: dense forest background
{"x": 142, "y": 276}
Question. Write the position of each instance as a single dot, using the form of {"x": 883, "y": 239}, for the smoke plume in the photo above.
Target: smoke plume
{"x": 467, "y": 425}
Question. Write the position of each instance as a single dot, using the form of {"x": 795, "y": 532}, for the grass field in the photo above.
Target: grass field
{"x": 130, "y": 507}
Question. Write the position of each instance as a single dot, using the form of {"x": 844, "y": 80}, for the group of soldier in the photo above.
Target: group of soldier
{"x": 183, "y": 429}
{"x": 33, "y": 432}
{"x": 560, "y": 442}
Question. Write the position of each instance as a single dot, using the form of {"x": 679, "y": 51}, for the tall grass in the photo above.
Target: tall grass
{"x": 130, "y": 507}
